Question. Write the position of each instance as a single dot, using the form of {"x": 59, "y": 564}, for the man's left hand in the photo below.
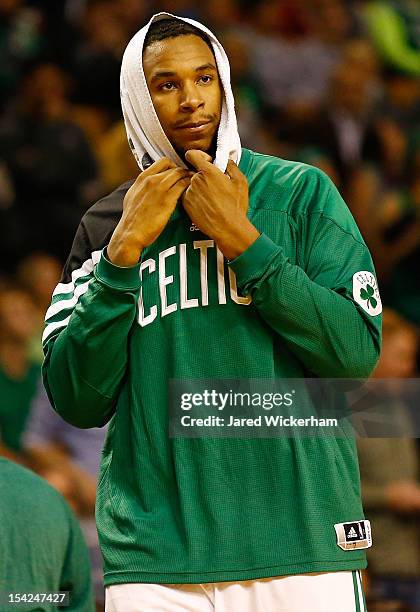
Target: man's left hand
{"x": 217, "y": 203}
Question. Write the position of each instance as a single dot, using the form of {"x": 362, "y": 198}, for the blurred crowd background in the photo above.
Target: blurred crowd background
{"x": 333, "y": 83}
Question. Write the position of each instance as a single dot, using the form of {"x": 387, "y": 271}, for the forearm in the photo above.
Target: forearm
{"x": 322, "y": 328}
{"x": 236, "y": 241}
{"x": 87, "y": 359}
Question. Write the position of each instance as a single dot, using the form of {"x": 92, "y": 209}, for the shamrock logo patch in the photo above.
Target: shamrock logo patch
{"x": 366, "y": 293}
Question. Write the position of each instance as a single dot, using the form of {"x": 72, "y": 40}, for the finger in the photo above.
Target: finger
{"x": 158, "y": 166}
{"x": 178, "y": 189}
{"x": 199, "y": 159}
{"x": 233, "y": 171}
{"x": 195, "y": 188}
{"x": 170, "y": 177}
{"x": 195, "y": 184}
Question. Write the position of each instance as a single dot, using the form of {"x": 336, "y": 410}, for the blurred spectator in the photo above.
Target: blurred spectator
{"x": 402, "y": 102}
{"x": 68, "y": 458}
{"x": 359, "y": 55}
{"x": 390, "y": 480}
{"x": 58, "y": 34}
{"x": 344, "y": 130}
{"x": 42, "y": 546}
{"x": 96, "y": 59}
{"x": 255, "y": 133}
{"x": 18, "y": 374}
{"x": 376, "y": 209}
{"x": 50, "y": 162}
{"x": 132, "y": 13}
{"x": 294, "y": 54}
{"x": 403, "y": 289}
{"x": 331, "y": 21}
{"x": 394, "y": 26}
{"x": 20, "y": 41}
{"x": 390, "y": 222}
{"x": 221, "y": 16}
{"x": 39, "y": 273}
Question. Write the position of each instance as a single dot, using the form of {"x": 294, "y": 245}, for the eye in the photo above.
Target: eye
{"x": 206, "y": 78}
{"x": 168, "y": 86}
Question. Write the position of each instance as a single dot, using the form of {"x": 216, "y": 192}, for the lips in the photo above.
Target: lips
{"x": 199, "y": 126}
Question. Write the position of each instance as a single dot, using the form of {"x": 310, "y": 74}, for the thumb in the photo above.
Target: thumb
{"x": 199, "y": 159}
{"x": 233, "y": 171}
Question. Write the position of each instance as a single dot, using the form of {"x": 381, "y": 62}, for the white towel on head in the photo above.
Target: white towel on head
{"x": 145, "y": 135}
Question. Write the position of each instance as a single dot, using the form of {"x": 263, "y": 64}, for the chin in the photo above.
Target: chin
{"x": 201, "y": 144}
{"x": 198, "y": 145}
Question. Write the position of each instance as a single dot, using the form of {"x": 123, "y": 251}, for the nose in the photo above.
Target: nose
{"x": 191, "y": 98}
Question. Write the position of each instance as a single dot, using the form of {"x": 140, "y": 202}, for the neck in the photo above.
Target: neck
{"x": 210, "y": 151}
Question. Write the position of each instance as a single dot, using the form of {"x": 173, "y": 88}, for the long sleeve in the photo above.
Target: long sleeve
{"x": 87, "y": 333}
{"x": 326, "y": 309}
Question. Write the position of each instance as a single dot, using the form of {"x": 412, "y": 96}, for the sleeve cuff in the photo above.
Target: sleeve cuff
{"x": 252, "y": 262}
{"x": 115, "y": 277}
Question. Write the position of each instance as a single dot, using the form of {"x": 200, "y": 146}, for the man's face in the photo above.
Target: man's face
{"x": 184, "y": 85}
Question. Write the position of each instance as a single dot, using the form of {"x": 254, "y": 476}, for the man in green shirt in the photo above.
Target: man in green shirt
{"x": 42, "y": 548}
{"x": 247, "y": 267}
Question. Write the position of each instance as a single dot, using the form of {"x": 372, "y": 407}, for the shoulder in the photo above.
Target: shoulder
{"x": 31, "y": 510}
{"x": 22, "y": 488}
{"x": 107, "y": 210}
{"x": 284, "y": 171}
{"x": 305, "y": 193}
{"x": 93, "y": 234}
{"x": 98, "y": 223}
{"x": 283, "y": 183}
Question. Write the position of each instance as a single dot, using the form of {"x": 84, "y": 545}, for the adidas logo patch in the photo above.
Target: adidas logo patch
{"x": 354, "y": 535}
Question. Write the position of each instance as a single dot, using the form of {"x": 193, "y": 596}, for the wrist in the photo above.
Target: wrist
{"x": 234, "y": 243}
{"x": 122, "y": 254}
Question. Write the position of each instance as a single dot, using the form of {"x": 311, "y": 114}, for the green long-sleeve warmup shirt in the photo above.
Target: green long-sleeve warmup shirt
{"x": 296, "y": 303}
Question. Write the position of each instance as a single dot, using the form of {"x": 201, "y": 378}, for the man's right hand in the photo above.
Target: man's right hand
{"x": 147, "y": 206}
